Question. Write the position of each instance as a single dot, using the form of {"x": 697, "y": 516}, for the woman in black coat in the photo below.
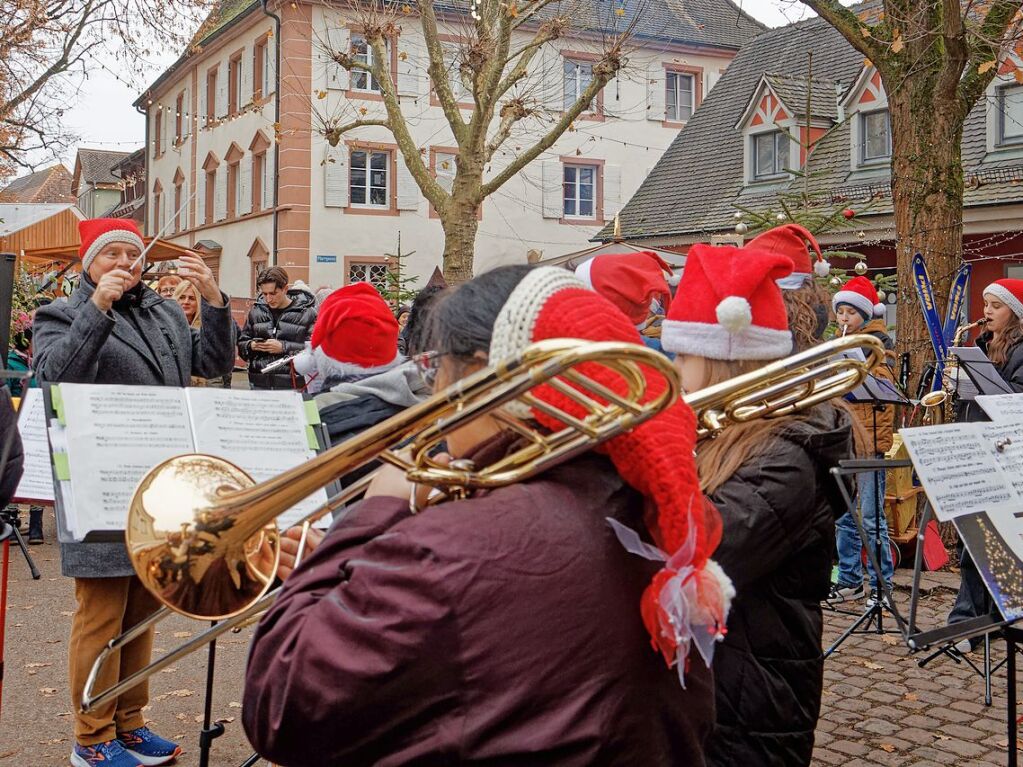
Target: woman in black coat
{"x": 770, "y": 481}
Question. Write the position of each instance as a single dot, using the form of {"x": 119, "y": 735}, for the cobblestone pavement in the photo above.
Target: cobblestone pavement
{"x": 879, "y": 707}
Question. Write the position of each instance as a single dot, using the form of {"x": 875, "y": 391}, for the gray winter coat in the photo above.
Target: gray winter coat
{"x": 148, "y": 344}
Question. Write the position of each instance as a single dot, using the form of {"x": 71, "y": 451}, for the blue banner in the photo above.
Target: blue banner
{"x": 923, "y": 289}
{"x": 956, "y": 299}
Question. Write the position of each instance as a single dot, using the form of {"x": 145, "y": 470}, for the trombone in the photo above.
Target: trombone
{"x": 201, "y": 534}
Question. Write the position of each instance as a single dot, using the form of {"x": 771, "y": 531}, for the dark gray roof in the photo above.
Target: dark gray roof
{"x": 791, "y": 89}
{"x": 695, "y": 188}
{"x": 28, "y": 188}
{"x": 97, "y": 166}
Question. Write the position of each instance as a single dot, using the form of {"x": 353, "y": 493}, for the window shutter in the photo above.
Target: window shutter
{"x": 269, "y": 179}
{"x": 269, "y": 66}
{"x": 167, "y": 115}
{"x": 203, "y": 105}
{"x": 552, "y": 179}
{"x": 409, "y": 71}
{"x": 408, "y": 189}
{"x": 186, "y": 115}
{"x": 243, "y": 204}
{"x": 220, "y": 194}
{"x": 222, "y": 91}
{"x": 612, "y": 190}
{"x": 335, "y": 177}
{"x": 200, "y": 199}
{"x": 655, "y": 91}
{"x": 712, "y": 80}
{"x": 339, "y": 40}
{"x": 245, "y": 97}
{"x": 553, "y": 83}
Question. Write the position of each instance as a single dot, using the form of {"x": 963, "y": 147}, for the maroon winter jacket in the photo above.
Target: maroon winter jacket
{"x": 500, "y": 630}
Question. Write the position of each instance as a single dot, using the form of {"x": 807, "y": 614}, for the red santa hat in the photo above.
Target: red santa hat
{"x": 355, "y": 326}
{"x": 732, "y": 307}
{"x": 96, "y": 233}
{"x": 630, "y": 281}
{"x": 687, "y": 601}
{"x": 792, "y": 240}
{"x": 1009, "y": 292}
{"x": 860, "y": 294}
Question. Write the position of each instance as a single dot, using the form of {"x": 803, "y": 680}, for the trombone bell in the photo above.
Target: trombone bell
{"x": 197, "y": 560}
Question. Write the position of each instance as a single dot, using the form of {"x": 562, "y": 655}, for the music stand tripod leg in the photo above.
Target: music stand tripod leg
{"x": 20, "y": 540}
{"x": 209, "y": 733}
{"x": 1010, "y": 704}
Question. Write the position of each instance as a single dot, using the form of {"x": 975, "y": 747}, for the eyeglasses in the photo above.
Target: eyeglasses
{"x": 428, "y": 364}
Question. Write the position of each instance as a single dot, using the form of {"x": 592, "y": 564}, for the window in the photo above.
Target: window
{"x": 373, "y": 272}
{"x": 157, "y": 132}
{"x": 260, "y": 69}
{"x": 362, "y": 52}
{"x": 578, "y": 76}
{"x": 179, "y": 116}
{"x": 770, "y": 154}
{"x": 875, "y": 136}
{"x": 444, "y": 168}
{"x": 1010, "y": 114}
{"x": 211, "y": 96}
{"x": 211, "y": 191}
{"x": 580, "y": 191}
{"x": 453, "y": 67}
{"x": 369, "y": 185}
{"x": 257, "y": 267}
{"x": 679, "y": 97}
{"x": 232, "y": 189}
{"x": 234, "y": 83}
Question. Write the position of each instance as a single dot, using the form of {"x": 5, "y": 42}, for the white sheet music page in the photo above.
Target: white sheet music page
{"x": 262, "y": 432}
{"x": 37, "y": 482}
{"x": 1002, "y": 407}
{"x": 957, "y": 466}
{"x": 115, "y": 435}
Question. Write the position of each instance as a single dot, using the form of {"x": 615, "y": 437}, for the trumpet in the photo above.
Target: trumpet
{"x": 201, "y": 533}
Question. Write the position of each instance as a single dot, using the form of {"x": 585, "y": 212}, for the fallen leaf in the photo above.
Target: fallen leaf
{"x": 888, "y": 639}
{"x": 37, "y": 665}
{"x": 987, "y": 66}
{"x": 182, "y": 634}
{"x": 169, "y": 670}
{"x": 48, "y": 691}
{"x": 66, "y": 613}
{"x": 181, "y": 717}
{"x": 864, "y": 31}
{"x": 910, "y": 696}
{"x": 887, "y": 747}
{"x": 225, "y": 720}
{"x": 873, "y": 666}
{"x": 233, "y": 704}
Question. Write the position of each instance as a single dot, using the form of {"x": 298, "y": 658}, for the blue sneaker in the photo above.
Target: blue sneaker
{"x": 108, "y": 754}
{"x": 148, "y": 748}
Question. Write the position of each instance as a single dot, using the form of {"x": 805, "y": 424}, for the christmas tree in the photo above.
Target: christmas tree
{"x": 398, "y": 289}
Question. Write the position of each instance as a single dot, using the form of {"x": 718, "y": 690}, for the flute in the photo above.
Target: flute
{"x": 279, "y": 363}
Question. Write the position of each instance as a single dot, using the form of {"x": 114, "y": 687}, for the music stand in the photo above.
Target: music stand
{"x": 6, "y": 518}
{"x": 878, "y": 392}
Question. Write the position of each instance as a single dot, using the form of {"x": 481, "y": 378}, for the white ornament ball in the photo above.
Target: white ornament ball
{"x": 836, "y": 282}
{"x": 821, "y": 268}
{"x": 860, "y": 268}
{"x": 881, "y": 295}
{"x": 892, "y": 298}
{"x": 741, "y": 228}
{"x": 781, "y": 217}
{"x": 734, "y": 314}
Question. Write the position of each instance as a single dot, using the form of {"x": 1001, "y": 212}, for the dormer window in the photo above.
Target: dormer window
{"x": 1010, "y": 114}
{"x": 876, "y": 134}
{"x": 770, "y": 155}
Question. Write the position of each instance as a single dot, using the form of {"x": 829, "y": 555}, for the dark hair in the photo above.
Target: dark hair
{"x": 417, "y": 328}
{"x": 462, "y": 322}
{"x": 274, "y": 274}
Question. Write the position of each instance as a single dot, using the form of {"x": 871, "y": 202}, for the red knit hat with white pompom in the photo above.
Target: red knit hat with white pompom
{"x": 728, "y": 305}
{"x": 96, "y": 233}
{"x": 354, "y": 325}
{"x": 792, "y": 240}
{"x": 628, "y": 280}
{"x": 687, "y": 601}
{"x": 861, "y": 295}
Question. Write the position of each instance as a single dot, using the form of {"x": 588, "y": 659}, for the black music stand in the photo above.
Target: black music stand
{"x": 5, "y": 517}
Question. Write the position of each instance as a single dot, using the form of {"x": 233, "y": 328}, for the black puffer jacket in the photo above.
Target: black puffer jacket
{"x": 779, "y": 512}
{"x": 292, "y": 327}
{"x": 1011, "y": 371}
{"x": 12, "y": 456}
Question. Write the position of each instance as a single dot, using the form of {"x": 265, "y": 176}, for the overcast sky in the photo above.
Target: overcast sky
{"x": 103, "y": 116}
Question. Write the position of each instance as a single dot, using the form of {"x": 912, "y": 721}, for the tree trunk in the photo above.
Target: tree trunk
{"x": 927, "y": 194}
{"x": 460, "y": 226}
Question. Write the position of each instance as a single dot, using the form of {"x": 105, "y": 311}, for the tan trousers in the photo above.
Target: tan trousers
{"x": 106, "y": 608}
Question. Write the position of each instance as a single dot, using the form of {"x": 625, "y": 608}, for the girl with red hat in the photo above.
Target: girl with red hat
{"x": 770, "y": 481}
{"x": 1002, "y": 342}
{"x": 517, "y": 626}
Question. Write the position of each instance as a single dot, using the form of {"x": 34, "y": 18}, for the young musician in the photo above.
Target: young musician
{"x": 115, "y": 330}
{"x": 507, "y": 628}
{"x": 859, "y": 311}
{"x": 806, "y": 302}
{"x": 1002, "y": 342}
{"x": 770, "y": 481}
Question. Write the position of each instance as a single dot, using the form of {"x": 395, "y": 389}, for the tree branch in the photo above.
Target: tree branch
{"x": 989, "y": 38}
{"x": 438, "y": 71}
{"x": 847, "y": 23}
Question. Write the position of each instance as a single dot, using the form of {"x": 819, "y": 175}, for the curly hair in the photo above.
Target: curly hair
{"x": 809, "y": 311}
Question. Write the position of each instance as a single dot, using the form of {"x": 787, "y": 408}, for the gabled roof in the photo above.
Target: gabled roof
{"x": 693, "y": 192}
{"x": 790, "y": 91}
{"x": 51, "y": 184}
{"x": 95, "y": 166}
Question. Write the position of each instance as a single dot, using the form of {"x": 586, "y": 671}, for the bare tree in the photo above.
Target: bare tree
{"x": 48, "y": 46}
{"x": 936, "y": 59}
{"x": 493, "y": 67}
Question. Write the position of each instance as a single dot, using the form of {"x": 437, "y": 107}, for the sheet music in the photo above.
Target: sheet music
{"x": 115, "y": 435}
{"x": 37, "y": 482}
{"x": 958, "y": 469}
{"x": 1002, "y": 407}
{"x": 262, "y": 432}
